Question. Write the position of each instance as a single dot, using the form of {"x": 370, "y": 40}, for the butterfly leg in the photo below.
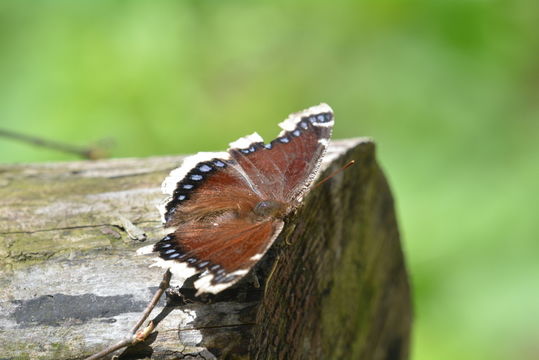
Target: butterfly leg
{"x": 254, "y": 280}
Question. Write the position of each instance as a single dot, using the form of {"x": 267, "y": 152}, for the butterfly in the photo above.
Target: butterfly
{"x": 224, "y": 210}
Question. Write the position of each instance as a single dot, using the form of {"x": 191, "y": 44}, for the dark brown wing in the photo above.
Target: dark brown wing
{"x": 283, "y": 169}
{"x": 213, "y": 227}
{"x": 210, "y": 188}
{"x": 225, "y": 251}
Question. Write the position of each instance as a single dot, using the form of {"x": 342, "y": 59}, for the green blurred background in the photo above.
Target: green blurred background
{"x": 448, "y": 89}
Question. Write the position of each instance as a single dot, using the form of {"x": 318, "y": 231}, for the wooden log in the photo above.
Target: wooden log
{"x": 333, "y": 286}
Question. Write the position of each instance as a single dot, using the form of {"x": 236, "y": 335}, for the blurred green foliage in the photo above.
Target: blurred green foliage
{"x": 449, "y": 90}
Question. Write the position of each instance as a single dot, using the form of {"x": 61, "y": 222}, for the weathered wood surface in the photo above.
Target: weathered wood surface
{"x": 71, "y": 283}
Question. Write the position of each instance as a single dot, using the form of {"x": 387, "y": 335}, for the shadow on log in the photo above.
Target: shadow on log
{"x": 333, "y": 286}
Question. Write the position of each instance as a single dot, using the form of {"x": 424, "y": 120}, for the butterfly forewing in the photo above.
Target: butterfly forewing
{"x": 222, "y": 191}
{"x": 282, "y": 169}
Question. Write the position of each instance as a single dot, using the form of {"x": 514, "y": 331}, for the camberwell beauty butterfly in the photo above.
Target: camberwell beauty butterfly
{"x": 224, "y": 210}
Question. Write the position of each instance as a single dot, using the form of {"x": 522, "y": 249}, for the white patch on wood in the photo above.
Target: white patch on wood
{"x": 191, "y": 337}
{"x": 121, "y": 194}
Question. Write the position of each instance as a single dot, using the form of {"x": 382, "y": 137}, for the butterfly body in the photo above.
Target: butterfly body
{"x": 270, "y": 208}
{"x": 224, "y": 210}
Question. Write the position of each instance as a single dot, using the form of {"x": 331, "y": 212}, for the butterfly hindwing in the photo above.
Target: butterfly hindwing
{"x": 223, "y": 253}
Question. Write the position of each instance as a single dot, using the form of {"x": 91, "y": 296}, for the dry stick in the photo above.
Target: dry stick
{"x": 86, "y": 153}
{"x": 272, "y": 271}
{"x": 135, "y": 336}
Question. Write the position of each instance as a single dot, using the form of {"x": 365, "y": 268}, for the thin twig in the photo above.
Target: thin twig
{"x": 92, "y": 153}
{"x": 165, "y": 283}
{"x": 135, "y": 336}
{"x": 268, "y": 279}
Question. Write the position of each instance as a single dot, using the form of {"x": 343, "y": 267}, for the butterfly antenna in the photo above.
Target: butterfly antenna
{"x": 348, "y": 164}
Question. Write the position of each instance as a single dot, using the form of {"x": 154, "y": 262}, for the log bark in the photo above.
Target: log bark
{"x": 333, "y": 286}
